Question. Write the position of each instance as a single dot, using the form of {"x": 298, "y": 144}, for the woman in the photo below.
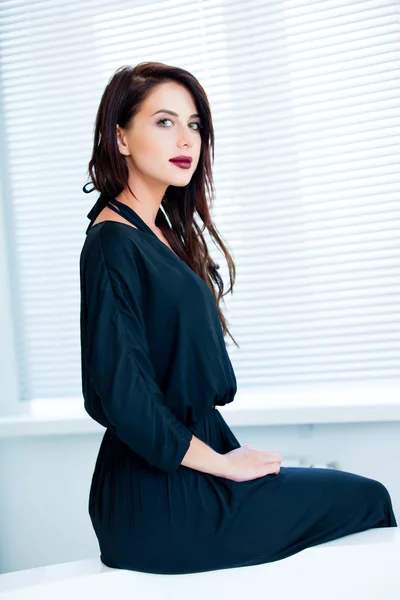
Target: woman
{"x": 173, "y": 491}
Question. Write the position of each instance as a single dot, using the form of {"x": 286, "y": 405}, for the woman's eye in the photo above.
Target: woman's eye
{"x": 194, "y": 123}
{"x": 162, "y": 120}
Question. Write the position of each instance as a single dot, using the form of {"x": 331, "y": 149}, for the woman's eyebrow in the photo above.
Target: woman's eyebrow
{"x": 170, "y": 112}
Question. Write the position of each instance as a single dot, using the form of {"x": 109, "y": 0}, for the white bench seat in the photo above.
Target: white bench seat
{"x": 363, "y": 565}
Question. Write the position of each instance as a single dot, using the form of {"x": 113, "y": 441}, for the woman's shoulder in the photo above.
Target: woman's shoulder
{"x": 113, "y": 232}
{"x": 112, "y": 227}
{"x": 114, "y": 242}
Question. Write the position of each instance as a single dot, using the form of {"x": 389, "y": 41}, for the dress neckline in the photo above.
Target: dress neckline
{"x": 133, "y": 217}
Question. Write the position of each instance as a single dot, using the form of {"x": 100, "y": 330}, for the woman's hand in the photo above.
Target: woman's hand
{"x": 246, "y": 462}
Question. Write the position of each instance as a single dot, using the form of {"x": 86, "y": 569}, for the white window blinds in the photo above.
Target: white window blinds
{"x": 305, "y": 98}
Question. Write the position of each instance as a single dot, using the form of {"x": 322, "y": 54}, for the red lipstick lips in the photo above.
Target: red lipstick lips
{"x": 184, "y": 162}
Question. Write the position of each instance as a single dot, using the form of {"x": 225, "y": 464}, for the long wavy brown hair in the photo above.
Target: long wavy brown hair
{"x": 108, "y": 170}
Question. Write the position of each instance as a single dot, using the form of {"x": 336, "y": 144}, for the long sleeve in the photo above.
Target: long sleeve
{"x": 117, "y": 356}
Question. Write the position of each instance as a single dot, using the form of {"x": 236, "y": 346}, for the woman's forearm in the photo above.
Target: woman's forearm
{"x": 203, "y": 458}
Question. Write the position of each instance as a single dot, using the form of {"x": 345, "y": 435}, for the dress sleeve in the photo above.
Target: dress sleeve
{"x": 121, "y": 372}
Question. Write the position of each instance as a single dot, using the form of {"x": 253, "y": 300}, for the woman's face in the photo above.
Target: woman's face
{"x": 153, "y": 139}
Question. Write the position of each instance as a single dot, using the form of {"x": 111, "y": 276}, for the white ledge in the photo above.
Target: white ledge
{"x": 296, "y": 405}
{"x": 361, "y": 565}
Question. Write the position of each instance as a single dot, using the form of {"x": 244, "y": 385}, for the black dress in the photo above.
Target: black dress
{"x": 154, "y": 366}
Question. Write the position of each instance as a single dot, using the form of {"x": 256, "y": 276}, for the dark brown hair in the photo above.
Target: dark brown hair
{"x": 122, "y": 99}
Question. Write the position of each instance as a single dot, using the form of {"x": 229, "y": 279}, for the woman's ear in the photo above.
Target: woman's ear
{"x": 122, "y": 145}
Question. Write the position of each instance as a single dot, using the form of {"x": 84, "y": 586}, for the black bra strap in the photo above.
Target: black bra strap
{"x": 129, "y": 214}
{"x": 122, "y": 209}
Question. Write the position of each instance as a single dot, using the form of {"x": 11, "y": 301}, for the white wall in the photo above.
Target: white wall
{"x": 45, "y": 481}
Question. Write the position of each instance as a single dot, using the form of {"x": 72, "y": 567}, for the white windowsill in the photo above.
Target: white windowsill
{"x": 295, "y": 405}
